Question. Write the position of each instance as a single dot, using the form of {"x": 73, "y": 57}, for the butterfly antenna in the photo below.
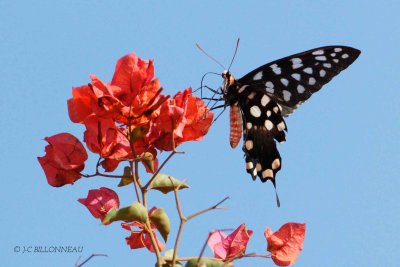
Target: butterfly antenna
{"x": 210, "y": 57}
{"x": 234, "y": 55}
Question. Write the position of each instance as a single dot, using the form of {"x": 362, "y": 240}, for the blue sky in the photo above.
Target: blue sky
{"x": 340, "y": 172}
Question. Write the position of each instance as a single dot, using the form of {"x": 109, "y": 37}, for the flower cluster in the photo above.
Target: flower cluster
{"x": 128, "y": 119}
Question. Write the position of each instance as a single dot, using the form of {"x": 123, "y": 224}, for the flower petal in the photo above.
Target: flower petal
{"x": 286, "y": 244}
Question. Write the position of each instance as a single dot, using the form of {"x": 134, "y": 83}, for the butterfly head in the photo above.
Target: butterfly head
{"x": 228, "y": 80}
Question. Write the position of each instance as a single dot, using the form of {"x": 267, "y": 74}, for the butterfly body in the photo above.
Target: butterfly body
{"x": 261, "y": 99}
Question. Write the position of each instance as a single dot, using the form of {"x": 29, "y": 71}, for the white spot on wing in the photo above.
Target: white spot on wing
{"x": 296, "y": 60}
{"x": 276, "y": 164}
{"x": 333, "y": 55}
{"x": 322, "y": 73}
{"x": 284, "y": 81}
{"x": 336, "y": 60}
{"x": 311, "y": 81}
{"x": 258, "y": 76}
{"x": 268, "y": 113}
{"x": 281, "y": 126}
{"x": 254, "y": 172}
{"x": 327, "y": 65}
{"x": 258, "y": 167}
{"x": 296, "y": 66}
{"x": 241, "y": 89}
{"x": 255, "y": 111}
{"x": 249, "y": 144}
{"x": 318, "y": 52}
{"x": 269, "y": 87}
{"x": 337, "y": 49}
{"x": 265, "y": 100}
{"x": 249, "y": 125}
{"x": 296, "y": 76}
{"x": 300, "y": 89}
{"x": 308, "y": 70}
{"x": 249, "y": 165}
{"x": 268, "y": 124}
{"x": 345, "y": 56}
{"x": 275, "y": 109}
{"x": 269, "y": 84}
{"x": 268, "y": 173}
{"x": 276, "y": 69}
{"x": 251, "y": 95}
{"x": 320, "y": 58}
{"x": 286, "y": 95}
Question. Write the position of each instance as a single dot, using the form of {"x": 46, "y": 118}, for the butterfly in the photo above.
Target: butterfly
{"x": 261, "y": 99}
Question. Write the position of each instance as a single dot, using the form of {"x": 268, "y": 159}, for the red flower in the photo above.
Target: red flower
{"x": 141, "y": 239}
{"x": 228, "y": 247}
{"x": 131, "y": 97}
{"x": 80, "y": 106}
{"x": 103, "y": 137}
{"x": 183, "y": 118}
{"x": 285, "y": 244}
{"x": 100, "y": 201}
{"x": 140, "y": 92}
{"x": 64, "y": 160}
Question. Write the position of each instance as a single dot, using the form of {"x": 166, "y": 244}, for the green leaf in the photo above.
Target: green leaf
{"x": 166, "y": 183}
{"x": 160, "y": 219}
{"x": 126, "y": 177}
{"x": 110, "y": 215}
{"x": 135, "y": 212}
{"x": 148, "y": 161}
{"x": 205, "y": 262}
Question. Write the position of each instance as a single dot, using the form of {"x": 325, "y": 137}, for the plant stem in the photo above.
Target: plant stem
{"x": 215, "y": 207}
{"x": 203, "y": 249}
{"x": 88, "y": 259}
{"x": 182, "y": 221}
{"x": 102, "y": 174}
{"x": 135, "y": 179}
{"x": 254, "y": 255}
{"x": 154, "y": 243}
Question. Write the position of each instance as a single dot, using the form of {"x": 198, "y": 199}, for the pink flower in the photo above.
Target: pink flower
{"x": 100, "y": 201}
{"x": 228, "y": 247}
{"x": 286, "y": 243}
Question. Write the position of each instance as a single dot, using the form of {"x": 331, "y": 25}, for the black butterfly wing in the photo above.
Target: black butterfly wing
{"x": 293, "y": 79}
{"x": 275, "y": 90}
{"x": 263, "y": 124}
